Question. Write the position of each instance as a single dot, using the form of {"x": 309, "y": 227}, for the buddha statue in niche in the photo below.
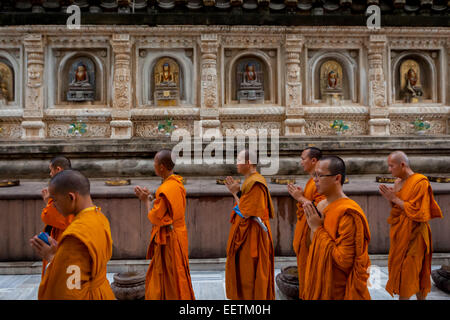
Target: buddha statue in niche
{"x": 81, "y": 80}
{"x": 81, "y": 77}
{"x": 167, "y": 82}
{"x": 411, "y": 89}
{"x": 6, "y": 84}
{"x": 250, "y": 81}
{"x": 166, "y": 75}
{"x": 331, "y": 82}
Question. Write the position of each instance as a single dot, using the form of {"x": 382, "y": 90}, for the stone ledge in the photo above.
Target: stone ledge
{"x": 196, "y": 187}
{"x": 218, "y": 264}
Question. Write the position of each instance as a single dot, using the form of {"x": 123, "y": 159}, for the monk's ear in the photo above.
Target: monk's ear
{"x": 72, "y": 196}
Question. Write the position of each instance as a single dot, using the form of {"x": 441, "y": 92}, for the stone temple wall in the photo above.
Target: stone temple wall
{"x": 293, "y": 62}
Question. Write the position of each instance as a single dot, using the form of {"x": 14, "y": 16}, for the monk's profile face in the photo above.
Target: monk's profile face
{"x": 325, "y": 182}
{"x": 65, "y": 203}
{"x": 54, "y": 170}
{"x": 395, "y": 166}
{"x": 306, "y": 162}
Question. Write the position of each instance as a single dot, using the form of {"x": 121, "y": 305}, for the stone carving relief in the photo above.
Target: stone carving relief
{"x": 93, "y": 130}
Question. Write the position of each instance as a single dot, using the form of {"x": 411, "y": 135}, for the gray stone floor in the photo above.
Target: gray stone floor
{"x": 208, "y": 285}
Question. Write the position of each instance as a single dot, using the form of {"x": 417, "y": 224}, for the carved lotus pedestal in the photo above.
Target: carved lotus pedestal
{"x": 287, "y": 282}
{"x": 441, "y": 278}
{"x": 129, "y": 286}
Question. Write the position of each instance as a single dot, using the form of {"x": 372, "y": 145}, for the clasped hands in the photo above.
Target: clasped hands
{"x": 45, "y": 251}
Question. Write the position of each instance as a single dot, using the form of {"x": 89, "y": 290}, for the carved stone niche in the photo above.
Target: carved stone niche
{"x": 7, "y": 81}
{"x": 332, "y": 78}
{"x": 80, "y": 78}
{"x": 250, "y": 77}
{"x": 166, "y": 82}
{"x": 166, "y": 77}
{"x": 414, "y": 77}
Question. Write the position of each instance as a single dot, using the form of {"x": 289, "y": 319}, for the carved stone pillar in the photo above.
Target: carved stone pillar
{"x": 379, "y": 114}
{"x": 32, "y": 125}
{"x": 121, "y": 125}
{"x": 294, "y": 124}
{"x": 448, "y": 85}
{"x": 209, "y": 112}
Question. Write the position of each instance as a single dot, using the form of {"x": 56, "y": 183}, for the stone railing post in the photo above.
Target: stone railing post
{"x": 379, "y": 113}
{"x": 295, "y": 122}
{"x": 121, "y": 125}
{"x": 32, "y": 125}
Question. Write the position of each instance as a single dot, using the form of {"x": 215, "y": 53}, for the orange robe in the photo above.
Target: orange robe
{"x": 338, "y": 259}
{"x": 168, "y": 276}
{"x": 249, "y": 269}
{"x": 410, "y": 253}
{"x": 54, "y": 221}
{"x": 83, "y": 253}
{"x": 302, "y": 232}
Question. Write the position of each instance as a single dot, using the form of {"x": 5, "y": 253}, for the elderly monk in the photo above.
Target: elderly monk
{"x": 77, "y": 264}
{"x": 338, "y": 260}
{"x": 309, "y": 159}
{"x": 413, "y": 205}
{"x": 249, "y": 269}
{"x": 55, "y": 222}
{"x": 168, "y": 276}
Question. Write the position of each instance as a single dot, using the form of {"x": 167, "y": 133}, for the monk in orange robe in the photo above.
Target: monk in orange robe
{"x": 309, "y": 159}
{"x": 77, "y": 263}
{"x": 249, "y": 269}
{"x": 168, "y": 276}
{"x": 413, "y": 205}
{"x": 55, "y": 222}
{"x": 338, "y": 259}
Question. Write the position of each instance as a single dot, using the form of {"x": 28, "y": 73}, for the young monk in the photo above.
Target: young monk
{"x": 309, "y": 159}
{"x": 77, "y": 264}
{"x": 168, "y": 276}
{"x": 338, "y": 260}
{"x": 55, "y": 222}
{"x": 249, "y": 270}
{"x": 413, "y": 205}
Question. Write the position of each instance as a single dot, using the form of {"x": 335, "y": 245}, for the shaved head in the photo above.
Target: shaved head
{"x": 399, "y": 157}
{"x": 314, "y": 152}
{"x": 70, "y": 181}
{"x": 248, "y": 155}
{"x": 336, "y": 166}
{"x": 164, "y": 157}
{"x": 61, "y": 162}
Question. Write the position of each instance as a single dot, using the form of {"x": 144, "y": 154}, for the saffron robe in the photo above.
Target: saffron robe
{"x": 54, "y": 221}
{"x": 410, "y": 252}
{"x": 338, "y": 259}
{"x": 249, "y": 269}
{"x": 168, "y": 276}
{"x": 78, "y": 269}
{"x": 301, "y": 240}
